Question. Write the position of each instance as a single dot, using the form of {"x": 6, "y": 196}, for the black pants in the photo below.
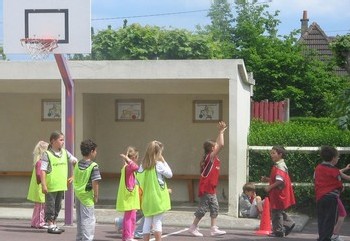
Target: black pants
{"x": 327, "y": 213}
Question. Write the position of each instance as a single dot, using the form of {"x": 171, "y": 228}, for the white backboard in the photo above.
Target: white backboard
{"x": 68, "y": 21}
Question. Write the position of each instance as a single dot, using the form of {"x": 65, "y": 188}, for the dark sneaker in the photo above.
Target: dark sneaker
{"x": 289, "y": 229}
{"x": 62, "y": 230}
{"x": 277, "y": 234}
{"x": 54, "y": 230}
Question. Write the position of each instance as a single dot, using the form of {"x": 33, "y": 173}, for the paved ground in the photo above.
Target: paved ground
{"x": 15, "y": 226}
{"x": 19, "y": 230}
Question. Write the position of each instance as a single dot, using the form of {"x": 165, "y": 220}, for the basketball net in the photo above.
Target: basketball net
{"x": 39, "y": 49}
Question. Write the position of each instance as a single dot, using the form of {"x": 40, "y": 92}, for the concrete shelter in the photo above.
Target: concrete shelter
{"x": 167, "y": 88}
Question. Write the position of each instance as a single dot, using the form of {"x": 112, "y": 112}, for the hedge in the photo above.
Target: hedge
{"x": 297, "y": 132}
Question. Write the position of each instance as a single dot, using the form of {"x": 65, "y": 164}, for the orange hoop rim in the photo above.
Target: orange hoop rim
{"x": 39, "y": 48}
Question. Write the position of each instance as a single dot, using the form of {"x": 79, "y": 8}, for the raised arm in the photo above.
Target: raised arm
{"x": 220, "y": 139}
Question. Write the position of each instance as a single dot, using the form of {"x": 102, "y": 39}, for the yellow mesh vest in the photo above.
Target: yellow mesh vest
{"x": 127, "y": 200}
{"x": 155, "y": 198}
{"x": 56, "y": 180}
{"x": 81, "y": 178}
{"x": 34, "y": 192}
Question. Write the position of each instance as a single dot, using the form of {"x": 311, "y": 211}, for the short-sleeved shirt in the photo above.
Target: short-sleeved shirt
{"x": 45, "y": 163}
{"x": 95, "y": 173}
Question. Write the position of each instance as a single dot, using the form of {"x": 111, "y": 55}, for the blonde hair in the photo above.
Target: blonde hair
{"x": 153, "y": 154}
{"x": 39, "y": 150}
{"x": 132, "y": 152}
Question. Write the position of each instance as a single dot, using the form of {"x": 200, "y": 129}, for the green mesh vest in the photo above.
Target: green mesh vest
{"x": 81, "y": 179}
{"x": 155, "y": 198}
{"x": 127, "y": 200}
{"x": 56, "y": 180}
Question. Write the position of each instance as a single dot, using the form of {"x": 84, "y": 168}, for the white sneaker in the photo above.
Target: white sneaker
{"x": 118, "y": 224}
{"x": 215, "y": 231}
{"x": 194, "y": 231}
{"x": 336, "y": 237}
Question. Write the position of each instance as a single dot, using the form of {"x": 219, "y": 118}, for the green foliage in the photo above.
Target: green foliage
{"x": 136, "y": 42}
{"x": 221, "y": 17}
{"x": 341, "y": 48}
{"x": 281, "y": 68}
{"x": 298, "y": 132}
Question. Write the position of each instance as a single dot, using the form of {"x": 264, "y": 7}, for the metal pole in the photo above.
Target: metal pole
{"x": 69, "y": 135}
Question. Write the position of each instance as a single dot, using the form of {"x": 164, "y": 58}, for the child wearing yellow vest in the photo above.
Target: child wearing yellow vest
{"x": 128, "y": 199}
{"x": 155, "y": 194}
{"x": 54, "y": 177}
{"x": 34, "y": 192}
{"x": 86, "y": 185}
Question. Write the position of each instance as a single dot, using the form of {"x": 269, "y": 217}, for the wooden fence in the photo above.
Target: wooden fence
{"x": 270, "y": 111}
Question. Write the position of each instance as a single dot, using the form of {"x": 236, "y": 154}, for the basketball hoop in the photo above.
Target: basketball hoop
{"x": 39, "y": 49}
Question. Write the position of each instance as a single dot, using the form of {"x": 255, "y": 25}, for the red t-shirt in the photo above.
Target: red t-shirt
{"x": 210, "y": 176}
{"x": 327, "y": 180}
{"x": 281, "y": 198}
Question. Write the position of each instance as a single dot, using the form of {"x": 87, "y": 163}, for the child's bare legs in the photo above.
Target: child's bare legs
{"x": 212, "y": 222}
{"x": 157, "y": 236}
{"x": 214, "y": 230}
{"x": 196, "y": 221}
{"x": 146, "y": 236}
{"x": 338, "y": 225}
{"x": 341, "y": 216}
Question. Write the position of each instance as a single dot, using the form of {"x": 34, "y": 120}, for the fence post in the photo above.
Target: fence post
{"x": 286, "y": 109}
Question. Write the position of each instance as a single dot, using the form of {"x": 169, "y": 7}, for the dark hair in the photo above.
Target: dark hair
{"x": 249, "y": 186}
{"x": 280, "y": 150}
{"x": 327, "y": 153}
{"x": 207, "y": 146}
{"x": 54, "y": 136}
{"x": 87, "y": 146}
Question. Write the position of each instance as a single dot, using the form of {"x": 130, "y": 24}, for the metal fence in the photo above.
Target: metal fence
{"x": 309, "y": 155}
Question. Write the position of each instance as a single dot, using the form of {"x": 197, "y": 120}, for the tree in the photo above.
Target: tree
{"x": 341, "y": 48}
{"x": 220, "y": 31}
{"x": 151, "y": 42}
{"x": 280, "y": 67}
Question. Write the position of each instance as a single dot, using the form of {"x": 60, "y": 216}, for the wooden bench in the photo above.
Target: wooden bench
{"x": 190, "y": 179}
{"x": 187, "y": 177}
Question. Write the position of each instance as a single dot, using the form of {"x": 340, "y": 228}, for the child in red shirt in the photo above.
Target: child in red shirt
{"x": 210, "y": 170}
{"x": 280, "y": 193}
{"x": 328, "y": 186}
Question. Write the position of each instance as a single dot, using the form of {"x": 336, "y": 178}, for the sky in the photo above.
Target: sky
{"x": 333, "y": 16}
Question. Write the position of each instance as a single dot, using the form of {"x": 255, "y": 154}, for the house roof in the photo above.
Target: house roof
{"x": 315, "y": 38}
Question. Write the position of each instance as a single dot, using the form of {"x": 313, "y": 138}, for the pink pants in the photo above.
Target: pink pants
{"x": 38, "y": 217}
{"x": 129, "y": 223}
{"x": 341, "y": 209}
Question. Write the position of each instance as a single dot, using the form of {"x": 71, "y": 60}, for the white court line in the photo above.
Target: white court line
{"x": 169, "y": 234}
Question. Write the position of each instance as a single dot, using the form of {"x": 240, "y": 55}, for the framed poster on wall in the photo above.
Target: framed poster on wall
{"x": 51, "y": 110}
{"x": 129, "y": 110}
{"x": 207, "y": 110}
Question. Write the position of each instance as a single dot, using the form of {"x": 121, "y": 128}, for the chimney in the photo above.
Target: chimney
{"x": 304, "y": 23}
